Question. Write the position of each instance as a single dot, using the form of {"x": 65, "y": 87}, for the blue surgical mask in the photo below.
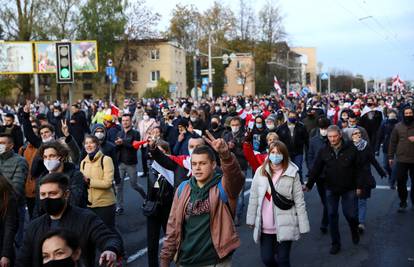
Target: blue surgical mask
{"x": 259, "y": 125}
{"x": 276, "y": 158}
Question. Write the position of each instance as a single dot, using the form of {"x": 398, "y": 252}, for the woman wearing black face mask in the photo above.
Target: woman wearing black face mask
{"x": 8, "y": 222}
{"x": 215, "y": 128}
{"x": 60, "y": 248}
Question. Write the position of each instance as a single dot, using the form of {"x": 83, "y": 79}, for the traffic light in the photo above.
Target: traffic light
{"x": 64, "y": 68}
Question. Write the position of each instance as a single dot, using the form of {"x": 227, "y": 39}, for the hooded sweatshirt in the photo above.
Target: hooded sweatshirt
{"x": 197, "y": 247}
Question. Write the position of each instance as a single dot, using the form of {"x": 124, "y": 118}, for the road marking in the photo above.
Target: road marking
{"x": 144, "y": 251}
{"x": 140, "y": 253}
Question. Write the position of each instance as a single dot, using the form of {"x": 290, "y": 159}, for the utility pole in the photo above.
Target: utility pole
{"x": 287, "y": 72}
{"x": 195, "y": 58}
{"x": 210, "y": 73}
{"x": 36, "y": 84}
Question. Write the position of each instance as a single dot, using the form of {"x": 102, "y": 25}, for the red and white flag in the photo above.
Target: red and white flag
{"x": 276, "y": 85}
{"x": 397, "y": 84}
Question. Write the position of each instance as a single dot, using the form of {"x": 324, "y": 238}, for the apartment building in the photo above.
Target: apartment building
{"x": 240, "y": 75}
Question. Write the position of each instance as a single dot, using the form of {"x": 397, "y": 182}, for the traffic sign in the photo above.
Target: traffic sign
{"x": 204, "y": 88}
{"x": 324, "y": 76}
{"x": 205, "y": 72}
{"x": 114, "y": 79}
{"x": 110, "y": 71}
{"x": 173, "y": 88}
{"x": 204, "y": 80}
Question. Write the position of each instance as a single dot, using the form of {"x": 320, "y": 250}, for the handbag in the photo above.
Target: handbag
{"x": 150, "y": 208}
{"x": 279, "y": 200}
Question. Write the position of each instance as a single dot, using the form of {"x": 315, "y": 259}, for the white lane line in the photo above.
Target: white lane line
{"x": 144, "y": 251}
{"x": 140, "y": 253}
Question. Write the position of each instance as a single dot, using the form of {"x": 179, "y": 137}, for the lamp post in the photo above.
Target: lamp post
{"x": 210, "y": 73}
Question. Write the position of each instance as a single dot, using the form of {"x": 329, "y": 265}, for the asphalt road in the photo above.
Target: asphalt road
{"x": 387, "y": 242}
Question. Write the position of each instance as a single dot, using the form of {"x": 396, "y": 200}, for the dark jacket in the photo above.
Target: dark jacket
{"x": 8, "y": 229}
{"x": 93, "y": 235}
{"x": 371, "y": 125}
{"x": 126, "y": 152}
{"x": 15, "y": 168}
{"x": 17, "y": 134}
{"x": 180, "y": 173}
{"x": 181, "y": 148}
{"x": 342, "y": 170}
{"x": 316, "y": 143}
{"x": 310, "y": 123}
{"x": 384, "y": 135}
{"x": 399, "y": 143}
{"x": 79, "y": 127}
{"x": 237, "y": 139}
{"x": 259, "y": 139}
{"x": 56, "y": 122}
{"x": 112, "y": 132}
{"x": 218, "y": 133}
{"x": 299, "y": 141}
{"x": 367, "y": 158}
{"x": 77, "y": 187}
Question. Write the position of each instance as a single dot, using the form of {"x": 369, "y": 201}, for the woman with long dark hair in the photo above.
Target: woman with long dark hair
{"x": 9, "y": 222}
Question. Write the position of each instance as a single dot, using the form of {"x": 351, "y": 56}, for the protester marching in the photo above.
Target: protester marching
{"x": 64, "y": 171}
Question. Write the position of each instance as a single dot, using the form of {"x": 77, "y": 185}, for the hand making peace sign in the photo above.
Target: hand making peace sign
{"x": 219, "y": 145}
{"x": 65, "y": 128}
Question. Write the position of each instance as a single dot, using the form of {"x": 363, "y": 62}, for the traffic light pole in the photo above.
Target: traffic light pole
{"x": 195, "y": 77}
{"x": 110, "y": 89}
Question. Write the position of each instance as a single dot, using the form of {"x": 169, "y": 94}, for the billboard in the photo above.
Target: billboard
{"x": 16, "y": 57}
{"x": 84, "y": 56}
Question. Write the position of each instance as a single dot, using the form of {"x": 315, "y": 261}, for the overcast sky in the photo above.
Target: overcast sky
{"x": 379, "y": 46}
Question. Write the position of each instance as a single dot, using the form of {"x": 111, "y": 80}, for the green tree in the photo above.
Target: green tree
{"x": 6, "y": 87}
{"x": 104, "y": 21}
{"x": 161, "y": 90}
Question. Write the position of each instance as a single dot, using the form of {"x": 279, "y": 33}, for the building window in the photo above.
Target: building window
{"x": 155, "y": 54}
{"x": 87, "y": 86}
{"x": 155, "y": 75}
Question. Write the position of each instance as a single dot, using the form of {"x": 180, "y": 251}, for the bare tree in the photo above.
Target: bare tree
{"x": 271, "y": 23}
{"x": 246, "y": 21}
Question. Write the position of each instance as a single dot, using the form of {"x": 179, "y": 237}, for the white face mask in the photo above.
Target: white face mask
{"x": 323, "y": 132}
{"x": 51, "y": 164}
{"x": 146, "y": 117}
{"x": 56, "y": 114}
{"x": 270, "y": 126}
{"x": 235, "y": 129}
{"x": 49, "y": 139}
{"x": 190, "y": 151}
{"x": 2, "y": 148}
{"x": 100, "y": 135}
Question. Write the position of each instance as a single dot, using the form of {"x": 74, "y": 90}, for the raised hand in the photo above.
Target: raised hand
{"x": 219, "y": 145}
{"x": 65, "y": 128}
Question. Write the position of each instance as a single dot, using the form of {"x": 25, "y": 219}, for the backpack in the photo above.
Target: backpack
{"x": 222, "y": 193}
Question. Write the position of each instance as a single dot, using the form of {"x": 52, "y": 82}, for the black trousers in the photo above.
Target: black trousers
{"x": 144, "y": 153}
{"x": 402, "y": 170}
{"x": 107, "y": 215}
{"x": 273, "y": 253}
{"x": 154, "y": 225}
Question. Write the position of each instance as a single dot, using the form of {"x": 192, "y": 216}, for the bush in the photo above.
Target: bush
{"x": 161, "y": 90}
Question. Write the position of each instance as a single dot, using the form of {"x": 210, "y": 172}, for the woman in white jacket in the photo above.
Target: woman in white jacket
{"x": 275, "y": 228}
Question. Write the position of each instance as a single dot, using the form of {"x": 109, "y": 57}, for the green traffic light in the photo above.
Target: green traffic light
{"x": 64, "y": 73}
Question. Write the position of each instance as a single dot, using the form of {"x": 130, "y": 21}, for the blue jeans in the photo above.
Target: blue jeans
{"x": 298, "y": 160}
{"x": 240, "y": 202}
{"x": 362, "y": 210}
{"x": 349, "y": 203}
{"x": 269, "y": 248}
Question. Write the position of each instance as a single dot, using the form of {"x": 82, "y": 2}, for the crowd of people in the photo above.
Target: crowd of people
{"x": 66, "y": 166}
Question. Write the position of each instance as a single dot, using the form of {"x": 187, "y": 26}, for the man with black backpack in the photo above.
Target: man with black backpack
{"x": 200, "y": 227}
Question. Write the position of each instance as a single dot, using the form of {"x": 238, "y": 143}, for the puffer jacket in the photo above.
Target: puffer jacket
{"x": 223, "y": 232}
{"x": 14, "y": 167}
{"x": 289, "y": 223}
{"x": 100, "y": 171}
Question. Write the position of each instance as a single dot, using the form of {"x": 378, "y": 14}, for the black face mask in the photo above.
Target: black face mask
{"x": 9, "y": 125}
{"x": 66, "y": 262}
{"x": 408, "y": 119}
{"x": 52, "y": 206}
{"x": 214, "y": 125}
